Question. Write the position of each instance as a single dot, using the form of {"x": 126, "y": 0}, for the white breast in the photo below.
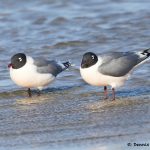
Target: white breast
{"x": 27, "y": 76}
{"x": 92, "y": 76}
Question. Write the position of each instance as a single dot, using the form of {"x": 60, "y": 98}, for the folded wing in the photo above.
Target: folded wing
{"x": 52, "y": 67}
{"x": 118, "y": 64}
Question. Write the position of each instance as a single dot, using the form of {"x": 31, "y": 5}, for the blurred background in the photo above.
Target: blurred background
{"x": 65, "y": 30}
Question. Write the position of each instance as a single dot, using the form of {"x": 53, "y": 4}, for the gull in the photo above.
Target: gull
{"x": 111, "y": 68}
{"x": 30, "y": 72}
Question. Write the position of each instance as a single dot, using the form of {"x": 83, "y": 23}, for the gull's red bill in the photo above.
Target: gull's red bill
{"x": 10, "y": 65}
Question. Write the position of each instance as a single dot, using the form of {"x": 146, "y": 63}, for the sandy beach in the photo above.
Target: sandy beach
{"x": 63, "y": 119}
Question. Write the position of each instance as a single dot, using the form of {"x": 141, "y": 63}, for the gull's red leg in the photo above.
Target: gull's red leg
{"x": 29, "y": 92}
{"x": 113, "y": 93}
{"x": 105, "y": 92}
{"x": 39, "y": 93}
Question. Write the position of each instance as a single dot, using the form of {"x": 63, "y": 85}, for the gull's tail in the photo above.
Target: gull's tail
{"x": 66, "y": 64}
{"x": 143, "y": 56}
{"x": 146, "y": 52}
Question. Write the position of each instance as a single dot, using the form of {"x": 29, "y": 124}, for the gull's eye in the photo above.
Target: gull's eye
{"x": 20, "y": 59}
{"x": 93, "y": 57}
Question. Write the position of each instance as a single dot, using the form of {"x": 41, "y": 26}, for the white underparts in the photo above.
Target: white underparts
{"x": 92, "y": 76}
{"x": 27, "y": 76}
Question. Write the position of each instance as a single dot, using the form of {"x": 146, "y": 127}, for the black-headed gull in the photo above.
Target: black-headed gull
{"x": 28, "y": 72}
{"x": 111, "y": 68}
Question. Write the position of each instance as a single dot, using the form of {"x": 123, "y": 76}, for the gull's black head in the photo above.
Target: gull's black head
{"x": 18, "y": 61}
{"x": 89, "y": 59}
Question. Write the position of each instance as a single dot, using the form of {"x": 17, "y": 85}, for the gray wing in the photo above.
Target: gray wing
{"x": 44, "y": 66}
{"x": 118, "y": 64}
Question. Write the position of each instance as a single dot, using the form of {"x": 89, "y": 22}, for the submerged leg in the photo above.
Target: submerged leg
{"x": 105, "y": 92}
{"x": 113, "y": 93}
{"x": 29, "y": 92}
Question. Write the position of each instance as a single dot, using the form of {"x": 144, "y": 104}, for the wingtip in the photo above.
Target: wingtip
{"x": 146, "y": 52}
{"x": 67, "y": 64}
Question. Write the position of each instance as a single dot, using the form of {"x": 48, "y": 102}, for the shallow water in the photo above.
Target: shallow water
{"x": 71, "y": 115}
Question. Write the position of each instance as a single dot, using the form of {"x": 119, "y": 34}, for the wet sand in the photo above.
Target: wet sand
{"x": 63, "y": 119}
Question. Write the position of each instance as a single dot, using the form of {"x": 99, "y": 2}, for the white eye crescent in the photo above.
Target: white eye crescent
{"x": 93, "y": 57}
{"x": 20, "y": 59}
